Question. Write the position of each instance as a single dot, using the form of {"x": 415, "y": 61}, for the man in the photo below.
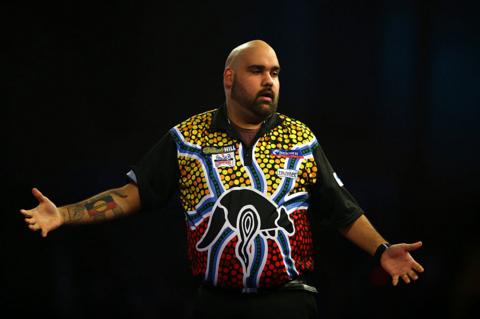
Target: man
{"x": 246, "y": 176}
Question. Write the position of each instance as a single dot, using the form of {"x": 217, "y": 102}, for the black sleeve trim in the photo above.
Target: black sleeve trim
{"x": 336, "y": 205}
{"x": 157, "y": 174}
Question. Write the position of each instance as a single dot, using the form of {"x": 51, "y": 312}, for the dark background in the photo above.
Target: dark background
{"x": 391, "y": 89}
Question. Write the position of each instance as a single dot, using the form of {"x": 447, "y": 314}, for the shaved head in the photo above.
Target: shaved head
{"x": 236, "y": 54}
{"x": 251, "y": 83}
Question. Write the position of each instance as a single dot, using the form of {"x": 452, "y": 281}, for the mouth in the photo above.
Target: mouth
{"x": 266, "y": 96}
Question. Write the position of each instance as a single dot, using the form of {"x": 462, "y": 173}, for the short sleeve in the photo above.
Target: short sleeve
{"x": 156, "y": 175}
{"x": 335, "y": 204}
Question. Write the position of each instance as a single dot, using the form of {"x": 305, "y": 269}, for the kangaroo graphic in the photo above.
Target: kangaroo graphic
{"x": 249, "y": 213}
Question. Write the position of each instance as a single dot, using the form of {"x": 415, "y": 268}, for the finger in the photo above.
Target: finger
{"x": 395, "y": 280}
{"x": 414, "y": 246}
{"x": 38, "y": 195}
{"x": 34, "y": 227}
{"x": 405, "y": 278}
{"x": 44, "y": 233}
{"x": 30, "y": 221}
{"x": 26, "y": 213}
{"x": 417, "y": 267}
{"x": 413, "y": 275}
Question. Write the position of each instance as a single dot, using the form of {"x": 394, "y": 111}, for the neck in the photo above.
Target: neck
{"x": 242, "y": 118}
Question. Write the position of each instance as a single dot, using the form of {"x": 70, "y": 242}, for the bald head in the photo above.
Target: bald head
{"x": 251, "y": 83}
{"x": 239, "y": 52}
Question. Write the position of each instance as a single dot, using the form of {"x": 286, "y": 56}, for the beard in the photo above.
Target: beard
{"x": 252, "y": 104}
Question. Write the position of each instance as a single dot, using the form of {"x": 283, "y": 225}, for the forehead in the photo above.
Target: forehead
{"x": 258, "y": 55}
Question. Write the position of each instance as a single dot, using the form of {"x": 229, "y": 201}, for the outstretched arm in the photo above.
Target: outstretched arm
{"x": 396, "y": 260}
{"x": 107, "y": 205}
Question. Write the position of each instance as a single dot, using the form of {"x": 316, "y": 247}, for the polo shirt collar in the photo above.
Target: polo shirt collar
{"x": 220, "y": 121}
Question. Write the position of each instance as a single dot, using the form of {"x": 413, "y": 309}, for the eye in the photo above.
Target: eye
{"x": 256, "y": 69}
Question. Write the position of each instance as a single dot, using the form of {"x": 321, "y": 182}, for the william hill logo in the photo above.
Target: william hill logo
{"x": 218, "y": 150}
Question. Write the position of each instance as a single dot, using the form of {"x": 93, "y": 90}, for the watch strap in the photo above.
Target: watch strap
{"x": 380, "y": 250}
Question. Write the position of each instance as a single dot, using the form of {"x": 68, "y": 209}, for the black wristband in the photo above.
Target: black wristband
{"x": 379, "y": 251}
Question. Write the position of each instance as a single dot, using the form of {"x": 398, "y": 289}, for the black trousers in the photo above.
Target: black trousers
{"x": 212, "y": 303}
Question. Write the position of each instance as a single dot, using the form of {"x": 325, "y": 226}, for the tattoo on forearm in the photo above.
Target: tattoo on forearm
{"x": 120, "y": 194}
{"x": 97, "y": 208}
{"x": 75, "y": 213}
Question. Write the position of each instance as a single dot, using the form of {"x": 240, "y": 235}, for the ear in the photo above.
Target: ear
{"x": 228, "y": 78}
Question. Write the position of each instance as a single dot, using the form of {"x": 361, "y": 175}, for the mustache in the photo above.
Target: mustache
{"x": 266, "y": 92}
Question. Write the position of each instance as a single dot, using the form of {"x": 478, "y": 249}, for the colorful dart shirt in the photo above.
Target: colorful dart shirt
{"x": 246, "y": 207}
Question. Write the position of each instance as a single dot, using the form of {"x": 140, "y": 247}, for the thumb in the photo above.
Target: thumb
{"x": 414, "y": 246}
{"x": 38, "y": 195}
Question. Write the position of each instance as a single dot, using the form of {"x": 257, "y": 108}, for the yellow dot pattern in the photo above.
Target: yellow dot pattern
{"x": 234, "y": 176}
{"x": 193, "y": 183}
{"x": 195, "y": 129}
{"x": 286, "y": 136}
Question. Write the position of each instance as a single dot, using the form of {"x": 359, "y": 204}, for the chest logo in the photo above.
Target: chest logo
{"x": 224, "y": 159}
{"x": 289, "y": 173}
{"x": 286, "y": 153}
{"x": 218, "y": 150}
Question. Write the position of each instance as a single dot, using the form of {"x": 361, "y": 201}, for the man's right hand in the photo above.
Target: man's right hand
{"x": 45, "y": 217}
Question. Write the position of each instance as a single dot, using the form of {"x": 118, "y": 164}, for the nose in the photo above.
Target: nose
{"x": 267, "y": 79}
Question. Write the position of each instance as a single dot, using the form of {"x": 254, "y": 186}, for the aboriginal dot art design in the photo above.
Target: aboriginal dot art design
{"x": 247, "y": 225}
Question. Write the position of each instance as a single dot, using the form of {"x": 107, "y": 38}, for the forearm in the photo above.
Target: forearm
{"x": 362, "y": 233}
{"x": 110, "y": 204}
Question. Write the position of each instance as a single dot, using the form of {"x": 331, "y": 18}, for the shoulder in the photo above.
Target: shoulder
{"x": 200, "y": 120}
{"x": 296, "y": 128}
{"x": 291, "y": 122}
{"x": 197, "y": 122}
{"x": 193, "y": 128}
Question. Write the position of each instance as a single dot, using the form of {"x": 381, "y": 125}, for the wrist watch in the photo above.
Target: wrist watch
{"x": 379, "y": 251}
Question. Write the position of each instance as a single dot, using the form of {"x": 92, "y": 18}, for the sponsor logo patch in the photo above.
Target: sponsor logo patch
{"x": 218, "y": 150}
{"x": 286, "y": 153}
{"x": 224, "y": 159}
{"x": 289, "y": 173}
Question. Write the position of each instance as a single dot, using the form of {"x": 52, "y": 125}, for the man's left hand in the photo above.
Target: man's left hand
{"x": 398, "y": 262}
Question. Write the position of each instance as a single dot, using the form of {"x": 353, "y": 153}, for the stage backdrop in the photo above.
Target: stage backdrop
{"x": 390, "y": 88}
